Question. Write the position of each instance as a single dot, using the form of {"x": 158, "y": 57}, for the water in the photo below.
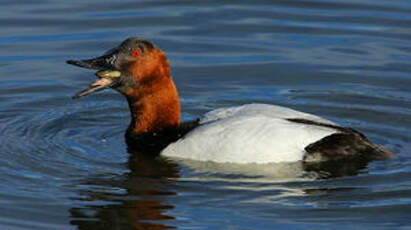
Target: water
{"x": 64, "y": 163}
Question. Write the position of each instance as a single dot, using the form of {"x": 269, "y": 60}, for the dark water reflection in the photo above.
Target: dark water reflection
{"x": 64, "y": 164}
{"x": 130, "y": 201}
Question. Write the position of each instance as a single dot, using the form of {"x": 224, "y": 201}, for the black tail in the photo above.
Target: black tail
{"x": 347, "y": 145}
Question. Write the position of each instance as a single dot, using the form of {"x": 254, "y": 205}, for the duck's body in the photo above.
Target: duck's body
{"x": 261, "y": 133}
{"x": 254, "y": 133}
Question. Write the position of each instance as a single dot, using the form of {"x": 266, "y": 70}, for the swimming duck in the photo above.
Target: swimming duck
{"x": 252, "y": 133}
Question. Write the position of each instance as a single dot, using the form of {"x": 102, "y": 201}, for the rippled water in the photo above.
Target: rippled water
{"x": 64, "y": 164}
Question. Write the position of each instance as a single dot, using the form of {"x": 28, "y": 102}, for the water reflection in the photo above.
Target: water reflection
{"x": 331, "y": 169}
{"x": 282, "y": 171}
{"x": 138, "y": 200}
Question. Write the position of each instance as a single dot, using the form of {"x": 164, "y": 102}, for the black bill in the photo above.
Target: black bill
{"x": 107, "y": 61}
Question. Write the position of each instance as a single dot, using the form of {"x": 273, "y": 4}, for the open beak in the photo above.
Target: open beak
{"x": 108, "y": 75}
{"x": 100, "y": 84}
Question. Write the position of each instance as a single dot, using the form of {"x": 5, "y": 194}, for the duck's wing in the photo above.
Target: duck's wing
{"x": 251, "y": 138}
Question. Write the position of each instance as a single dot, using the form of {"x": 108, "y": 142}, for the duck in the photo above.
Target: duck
{"x": 250, "y": 133}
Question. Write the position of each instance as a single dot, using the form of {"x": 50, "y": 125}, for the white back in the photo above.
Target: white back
{"x": 253, "y": 133}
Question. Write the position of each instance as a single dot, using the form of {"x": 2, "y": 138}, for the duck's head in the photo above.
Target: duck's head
{"x": 139, "y": 70}
{"x": 134, "y": 63}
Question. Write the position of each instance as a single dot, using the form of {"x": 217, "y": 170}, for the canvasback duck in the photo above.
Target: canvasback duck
{"x": 252, "y": 133}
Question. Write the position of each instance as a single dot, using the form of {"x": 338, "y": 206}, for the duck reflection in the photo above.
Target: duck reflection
{"x": 332, "y": 169}
{"x": 138, "y": 200}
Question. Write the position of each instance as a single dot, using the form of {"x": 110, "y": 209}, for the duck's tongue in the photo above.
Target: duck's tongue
{"x": 108, "y": 78}
{"x": 98, "y": 85}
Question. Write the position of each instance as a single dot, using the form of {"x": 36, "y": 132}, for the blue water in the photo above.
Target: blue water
{"x": 64, "y": 163}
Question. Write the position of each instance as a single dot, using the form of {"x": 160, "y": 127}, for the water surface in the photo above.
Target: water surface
{"x": 64, "y": 164}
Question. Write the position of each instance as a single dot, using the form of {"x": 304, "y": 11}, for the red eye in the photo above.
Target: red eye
{"x": 136, "y": 53}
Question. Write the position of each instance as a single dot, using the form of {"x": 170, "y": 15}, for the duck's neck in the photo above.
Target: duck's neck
{"x": 154, "y": 106}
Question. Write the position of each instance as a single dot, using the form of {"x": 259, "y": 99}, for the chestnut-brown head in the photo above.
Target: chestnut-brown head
{"x": 123, "y": 68}
{"x": 139, "y": 70}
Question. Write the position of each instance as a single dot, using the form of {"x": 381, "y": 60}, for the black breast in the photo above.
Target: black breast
{"x": 153, "y": 142}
